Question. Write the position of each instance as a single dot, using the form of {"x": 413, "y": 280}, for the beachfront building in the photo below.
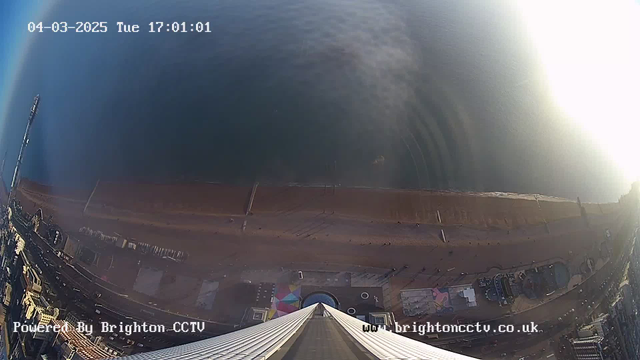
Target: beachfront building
{"x": 38, "y": 312}
{"x": 70, "y": 344}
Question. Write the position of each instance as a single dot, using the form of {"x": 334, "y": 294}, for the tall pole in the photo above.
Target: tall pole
{"x": 90, "y": 196}
{"x": 25, "y": 142}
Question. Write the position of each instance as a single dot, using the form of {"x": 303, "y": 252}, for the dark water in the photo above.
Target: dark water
{"x": 408, "y": 94}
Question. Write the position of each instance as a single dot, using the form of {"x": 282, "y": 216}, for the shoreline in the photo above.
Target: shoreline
{"x": 426, "y": 191}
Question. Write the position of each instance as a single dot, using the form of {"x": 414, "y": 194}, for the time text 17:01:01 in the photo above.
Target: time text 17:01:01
{"x": 159, "y": 26}
{"x": 121, "y": 27}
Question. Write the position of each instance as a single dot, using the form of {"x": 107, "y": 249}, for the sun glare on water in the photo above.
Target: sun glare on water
{"x": 591, "y": 55}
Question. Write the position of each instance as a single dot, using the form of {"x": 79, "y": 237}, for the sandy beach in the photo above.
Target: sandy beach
{"x": 481, "y": 210}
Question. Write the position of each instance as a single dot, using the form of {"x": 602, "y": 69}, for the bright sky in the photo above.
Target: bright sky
{"x": 591, "y": 54}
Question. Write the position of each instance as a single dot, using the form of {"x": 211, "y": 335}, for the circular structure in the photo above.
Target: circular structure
{"x": 320, "y": 297}
{"x": 562, "y": 274}
{"x": 364, "y": 295}
{"x": 351, "y": 311}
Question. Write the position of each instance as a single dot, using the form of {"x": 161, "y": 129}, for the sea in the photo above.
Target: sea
{"x": 443, "y": 95}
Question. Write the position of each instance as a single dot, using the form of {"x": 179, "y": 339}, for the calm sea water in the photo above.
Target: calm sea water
{"x": 411, "y": 94}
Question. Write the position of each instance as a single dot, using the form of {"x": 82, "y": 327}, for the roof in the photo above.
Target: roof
{"x": 470, "y": 294}
{"x": 83, "y": 346}
{"x": 314, "y": 332}
{"x": 587, "y": 340}
{"x": 388, "y": 345}
{"x": 93, "y": 352}
{"x": 41, "y": 305}
{"x": 255, "y": 342}
{"x": 322, "y": 338}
